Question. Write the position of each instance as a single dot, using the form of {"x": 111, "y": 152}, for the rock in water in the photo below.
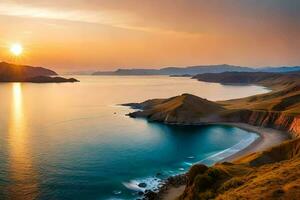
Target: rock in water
{"x": 142, "y": 185}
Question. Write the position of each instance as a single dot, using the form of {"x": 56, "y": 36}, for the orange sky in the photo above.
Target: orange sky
{"x": 71, "y": 35}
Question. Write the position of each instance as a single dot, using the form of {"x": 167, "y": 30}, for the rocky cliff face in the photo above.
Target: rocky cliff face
{"x": 277, "y": 120}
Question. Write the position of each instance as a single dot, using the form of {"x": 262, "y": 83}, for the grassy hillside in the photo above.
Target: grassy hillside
{"x": 285, "y": 100}
{"x": 271, "y": 174}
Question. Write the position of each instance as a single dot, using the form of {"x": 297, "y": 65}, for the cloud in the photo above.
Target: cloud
{"x": 168, "y": 16}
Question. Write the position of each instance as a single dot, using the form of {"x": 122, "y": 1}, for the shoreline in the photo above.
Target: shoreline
{"x": 268, "y": 137}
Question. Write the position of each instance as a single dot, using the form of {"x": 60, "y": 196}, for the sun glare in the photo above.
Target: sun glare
{"x": 16, "y": 49}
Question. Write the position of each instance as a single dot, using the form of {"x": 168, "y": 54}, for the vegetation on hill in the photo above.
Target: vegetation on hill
{"x": 271, "y": 174}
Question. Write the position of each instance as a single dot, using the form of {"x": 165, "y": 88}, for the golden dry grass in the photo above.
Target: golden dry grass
{"x": 271, "y": 174}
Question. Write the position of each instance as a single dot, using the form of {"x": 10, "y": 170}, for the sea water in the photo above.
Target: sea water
{"x": 74, "y": 141}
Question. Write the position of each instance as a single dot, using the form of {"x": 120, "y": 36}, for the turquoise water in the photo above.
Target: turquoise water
{"x": 73, "y": 141}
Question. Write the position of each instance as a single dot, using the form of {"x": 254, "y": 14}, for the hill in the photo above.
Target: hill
{"x": 11, "y": 72}
{"x": 23, "y": 73}
{"x": 183, "y": 109}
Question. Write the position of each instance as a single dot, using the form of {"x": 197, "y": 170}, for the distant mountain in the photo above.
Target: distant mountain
{"x": 261, "y": 78}
{"x": 194, "y": 70}
{"x": 11, "y": 72}
{"x": 280, "y": 69}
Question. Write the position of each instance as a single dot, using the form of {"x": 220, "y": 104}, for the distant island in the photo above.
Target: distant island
{"x": 254, "y": 173}
{"x": 23, "y": 73}
{"x": 194, "y": 70}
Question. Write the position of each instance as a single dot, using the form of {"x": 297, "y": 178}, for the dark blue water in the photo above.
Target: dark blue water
{"x": 72, "y": 141}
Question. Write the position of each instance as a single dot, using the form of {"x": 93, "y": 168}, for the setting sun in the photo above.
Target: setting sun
{"x": 16, "y": 49}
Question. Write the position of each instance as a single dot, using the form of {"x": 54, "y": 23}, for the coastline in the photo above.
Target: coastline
{"x": 268, "y": 137}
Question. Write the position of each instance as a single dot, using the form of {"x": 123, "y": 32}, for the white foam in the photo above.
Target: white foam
{"x": 230, "y": 151}
{"x": 152, "y": 183}
{"x": 188, "y": 163}
{"x": 117, "y": 192}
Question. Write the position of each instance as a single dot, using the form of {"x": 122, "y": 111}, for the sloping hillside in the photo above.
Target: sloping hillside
{"x": 284, "y": 100}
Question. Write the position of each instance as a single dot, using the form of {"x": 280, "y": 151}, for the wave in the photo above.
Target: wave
{"x": 230, "y": 151}
{"x": 151, "y": 184}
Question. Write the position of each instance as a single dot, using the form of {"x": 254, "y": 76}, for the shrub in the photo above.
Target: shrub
{"x": 207, "y": 195}
{"x": 232, "y": 183}
{"x": 194, "y": 171}
{"x": 203, "y": 182}
{"x": 214, "y": 173}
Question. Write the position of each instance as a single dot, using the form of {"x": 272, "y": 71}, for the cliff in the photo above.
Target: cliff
{"x": 276, "y": 120}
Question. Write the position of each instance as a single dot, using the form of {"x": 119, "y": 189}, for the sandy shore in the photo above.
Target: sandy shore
{"x": 268, "y": 138}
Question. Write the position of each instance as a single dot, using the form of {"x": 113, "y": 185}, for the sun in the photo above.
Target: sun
{"x": 16, "y": 49}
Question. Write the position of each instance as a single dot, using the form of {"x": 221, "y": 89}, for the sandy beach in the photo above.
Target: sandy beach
{"x": 268, "y": 138}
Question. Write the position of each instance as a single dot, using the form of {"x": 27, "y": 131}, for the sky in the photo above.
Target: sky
{"x": 78, "y": 35}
